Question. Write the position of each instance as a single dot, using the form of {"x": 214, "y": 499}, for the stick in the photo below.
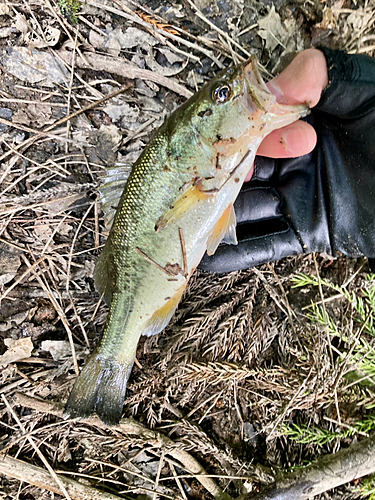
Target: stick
{"x": 52, "y": 476}
{"x": 37, "y": 476}
{"x": 130, "y": 426}
{"x": 120, "y": 67}
{"x": 41, "y": 133}
{"x": 183, "y": 249}
{"x": 326, "y": 473}
{"x": 153, "y": 262}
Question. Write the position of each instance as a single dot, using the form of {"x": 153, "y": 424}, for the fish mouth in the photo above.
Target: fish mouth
{"x": 260, "y": 96}
{"x": 257, "y": 90}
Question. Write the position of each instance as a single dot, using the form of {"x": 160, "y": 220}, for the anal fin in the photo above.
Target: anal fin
{"x": 190, "y": 198}
{"x": 225, "y": 230}
{"x": 160, "y": 319}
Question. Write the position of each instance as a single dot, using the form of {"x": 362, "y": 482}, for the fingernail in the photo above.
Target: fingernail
{"x": 294, "y": 141}
{"x": 276, "y": 91}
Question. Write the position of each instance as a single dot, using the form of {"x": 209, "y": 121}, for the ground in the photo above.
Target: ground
{"x": 260, "y": 370}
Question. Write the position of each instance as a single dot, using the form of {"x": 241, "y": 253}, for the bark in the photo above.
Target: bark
{"x": 326, "y": 473}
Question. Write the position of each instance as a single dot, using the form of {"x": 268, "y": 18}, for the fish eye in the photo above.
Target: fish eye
{"x": 221, "y": 93}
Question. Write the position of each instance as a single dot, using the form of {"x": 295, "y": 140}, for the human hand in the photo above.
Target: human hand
{"x": 301, "y": 82}
{"x": 325, "y": 199}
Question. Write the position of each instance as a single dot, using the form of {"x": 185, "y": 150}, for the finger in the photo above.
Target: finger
{"x": 297, "y": 139}
{"x": 250, "y": 174}
{"x": 303, "y": 80}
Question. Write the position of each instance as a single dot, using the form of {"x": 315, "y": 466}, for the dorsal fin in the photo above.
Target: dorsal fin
{"x": 112, "y": 185}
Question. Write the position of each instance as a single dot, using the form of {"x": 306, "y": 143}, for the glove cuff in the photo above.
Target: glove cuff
{"x": 351, "y": 84}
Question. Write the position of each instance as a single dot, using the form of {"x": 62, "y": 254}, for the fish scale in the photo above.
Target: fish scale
{"x": 177, "y": 204}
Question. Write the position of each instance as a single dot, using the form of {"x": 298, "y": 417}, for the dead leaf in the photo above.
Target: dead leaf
{"x": 51, "y": 38}
{"x": 96, "y": 40}
{"x": 175, "y": 11}
{"x": 17, "y": 349}
{"x": 65, "y": 229}
{"x": 163, "y": 70}
{"x": 171, "y": 56}
{"x": 118, "y": 108}
{"x": 62, "y": 204}
{"x": 9, "y": 263}
{"x": 33, "y": 66}
{"x": 21, "y": 24}
{"x": 58, "y": 349}
{"x": 133, "y": 37}
{"x": 17, "y": 319}
{"x": 42, "y": 231}
{"x": 4, "y": 9}
{"x": 108, "y": 139}
{"x": 272, "y": 31}
{"x": 7, "y": 31}
{"x": 34, "y": 114}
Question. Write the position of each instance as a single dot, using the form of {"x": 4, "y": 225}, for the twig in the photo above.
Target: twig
{"x": 73, "y": 243}
{"x": 41, "y": 133}
{"x": 130, "y": 426}
{"x": 37, "y": 450}
{"x": 137, "y": 19}
{"x": 153, "y": 262}
{"x": 38, "y": 103}
{"x": 59, "y": 311}
{"x": 120, "y": 67}
{"x": 183, "y": 249}
{"x": 161, "y": 463}
{"x": 326, "y": 473}
{"x": 171, "y": 466}
{"x": 37, "y": 476}
{"x": 213, "y": 26}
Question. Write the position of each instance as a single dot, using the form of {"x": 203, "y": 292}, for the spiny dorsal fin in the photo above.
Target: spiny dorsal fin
{"x": 110, "y": 190}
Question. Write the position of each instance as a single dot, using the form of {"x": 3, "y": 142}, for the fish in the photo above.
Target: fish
{"x": 177, "y": 204}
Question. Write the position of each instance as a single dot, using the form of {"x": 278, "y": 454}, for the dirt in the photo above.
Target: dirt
{"x": 225, "y": 375}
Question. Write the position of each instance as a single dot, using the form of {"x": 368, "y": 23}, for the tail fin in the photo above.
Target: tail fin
{"x": 100, "y": 387}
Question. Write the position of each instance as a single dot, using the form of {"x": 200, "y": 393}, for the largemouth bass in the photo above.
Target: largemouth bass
{"x": 177, "y": 204}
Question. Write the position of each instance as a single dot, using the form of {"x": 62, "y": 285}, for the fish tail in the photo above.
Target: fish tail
{"x": 100, "y": 388}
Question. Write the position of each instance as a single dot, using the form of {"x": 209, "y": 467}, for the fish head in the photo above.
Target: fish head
{"x": 227, "y": 118}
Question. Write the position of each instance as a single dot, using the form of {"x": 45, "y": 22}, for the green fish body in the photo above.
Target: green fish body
{"x": 177, "y": 204}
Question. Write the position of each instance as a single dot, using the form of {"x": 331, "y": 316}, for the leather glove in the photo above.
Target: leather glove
{"x": 320, "y": 202}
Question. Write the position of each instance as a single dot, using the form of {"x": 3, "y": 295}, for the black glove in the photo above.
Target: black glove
{"x": 320, "y": 202}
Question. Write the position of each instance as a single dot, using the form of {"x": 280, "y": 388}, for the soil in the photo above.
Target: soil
{"x": 243, "y": 359}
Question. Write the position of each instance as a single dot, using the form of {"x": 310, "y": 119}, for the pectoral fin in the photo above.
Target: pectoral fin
{"x": 225, "y": 230}
{"x": 160, "y": 319}
{"x": 189, "y": 199}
